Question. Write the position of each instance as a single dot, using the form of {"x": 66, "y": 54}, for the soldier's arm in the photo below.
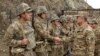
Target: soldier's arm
{"x": 45, "y": 34}
{"x": 8, "y": 37}
{"x": 38, "y": 28}
{"x": 90, "y": 41}
{"x": 65, "y": 31}
{"x": 49, "y": 33}
{"x": 65, "y": 37}
{"x": 49, "y": 37}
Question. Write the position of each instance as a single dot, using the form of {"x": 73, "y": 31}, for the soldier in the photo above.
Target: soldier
{"x": 57, "y": 34}
{"x": 41, "y": 27}
{"x": 20, "y": 34}
{"x": 68, "y": 25}
{"x": 93, "y": 23}
{"x": 84, "y": 38}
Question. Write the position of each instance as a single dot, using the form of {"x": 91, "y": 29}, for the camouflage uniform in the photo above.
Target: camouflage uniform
{"x": 54, "y": 31}
{"x": 68, "y": 25}
{"x": 97, "y": 47}
{"x": 83, "y": 41}
{"x": 15, "y": 33}
{"x": 97, "y": 34}
{"x": 41, "y": 28}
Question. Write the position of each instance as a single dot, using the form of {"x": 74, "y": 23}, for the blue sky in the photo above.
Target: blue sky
{"x": 94, "y": 3}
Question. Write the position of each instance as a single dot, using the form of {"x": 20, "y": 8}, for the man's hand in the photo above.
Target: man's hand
{"x": 57, "y": 40}
{"x": 46, "y": 32}
{"x": 24, "y": 41}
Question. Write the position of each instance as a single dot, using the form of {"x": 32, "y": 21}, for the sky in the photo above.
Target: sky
{"x": 94, "y": 3}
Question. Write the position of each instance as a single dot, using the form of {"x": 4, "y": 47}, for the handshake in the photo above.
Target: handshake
{"x": 24, "y": 41}
{"x": 57, "y": 40}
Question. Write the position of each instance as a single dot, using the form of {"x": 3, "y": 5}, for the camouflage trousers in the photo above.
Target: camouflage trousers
{"x": 42, "y": 50}
{"x": 77, "y": 52}
{"x": 57, "y": 50}
{"x": 22, "y": 52}
{"x": 67, "y": 49}
{"x": 97, "y": 51}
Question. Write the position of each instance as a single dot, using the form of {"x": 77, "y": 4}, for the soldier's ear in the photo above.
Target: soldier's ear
{"x": 22, "y": 15}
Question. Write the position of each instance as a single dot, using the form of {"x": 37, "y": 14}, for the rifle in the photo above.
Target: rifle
{"x": 46, "y": 41}
{"x": 33, "y": 15}
{"x": 10, "y": 16}
{"x": 10, "y": 53}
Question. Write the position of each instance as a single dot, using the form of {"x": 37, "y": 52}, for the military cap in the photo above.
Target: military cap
{"x": 23, "y": 7}
{"x": 92, "y": 21}
{"x": 54, "y": 17}
{"x": 41, "y": 9}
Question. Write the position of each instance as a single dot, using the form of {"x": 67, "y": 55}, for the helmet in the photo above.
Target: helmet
{"x": 54, "y": 17}
{"x": 92, "y": 21}
{"x": 23, "y": 7}
{"x": 41, "y": 9}
{"x": 65, "y": 18}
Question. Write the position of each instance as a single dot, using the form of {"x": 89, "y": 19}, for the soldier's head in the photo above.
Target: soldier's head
{"x": 66, "y": 18}
{"x": 63, "y": 18}
{"x": 55, "y": 20}
{"x": 93, "y": 23}
{"x": 24, "y": 11}
{"x": 81, "y": 18}
{"x": 42, "y": 12}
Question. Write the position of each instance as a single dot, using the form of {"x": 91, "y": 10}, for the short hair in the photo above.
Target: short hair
{"x": 84, "y": 17}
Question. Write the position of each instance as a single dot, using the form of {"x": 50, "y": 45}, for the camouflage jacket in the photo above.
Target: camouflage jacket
{"x": 14, "y": 34}
{"x": 84, "y": 42}
{"x": 61, "y": 32}
{"x": 40, "y": 28}
{"x": 69, "y": 27}
{"x": 97, "y": 34}
{"x": 41, "y": 34}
